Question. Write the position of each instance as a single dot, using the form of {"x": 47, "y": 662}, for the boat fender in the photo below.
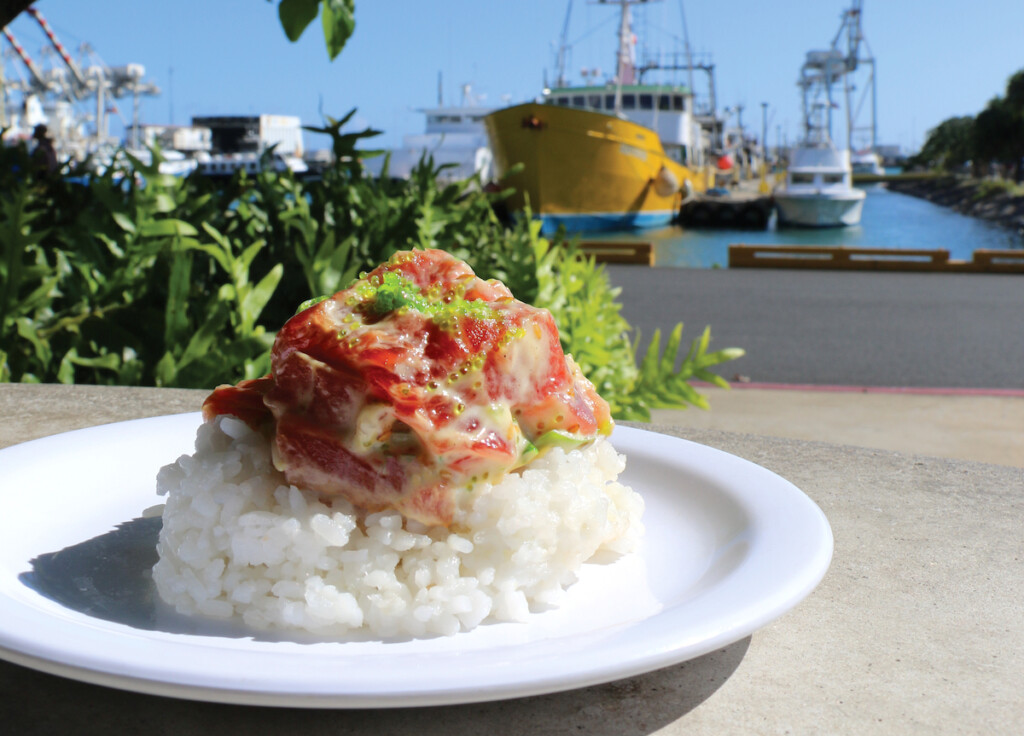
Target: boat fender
{"x": 665, "y": 183}
{"x": 688, "y": 190}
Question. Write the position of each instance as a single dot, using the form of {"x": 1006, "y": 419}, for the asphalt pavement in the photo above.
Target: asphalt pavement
{"x": 849, "y": 328}
{"x": 918, "y": 363}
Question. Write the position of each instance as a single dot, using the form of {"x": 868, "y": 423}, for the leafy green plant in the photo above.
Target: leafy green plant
{"x": 133, "y": 277}
{"x": 579, "y": 295}
{"x": 27, "y": 285}
{"x": 129, "y": 276}
{"x": 664, "y": 381}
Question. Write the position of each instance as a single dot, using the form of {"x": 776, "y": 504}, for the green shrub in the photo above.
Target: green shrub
{"x": 986, "y": 188}
{"x": 137, "y": 278}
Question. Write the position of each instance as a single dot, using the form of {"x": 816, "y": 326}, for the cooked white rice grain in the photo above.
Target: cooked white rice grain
{"x": 237, "y": 540}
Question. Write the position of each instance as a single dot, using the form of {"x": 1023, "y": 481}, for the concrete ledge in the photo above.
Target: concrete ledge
{"x": 916, "y": 628}
{"x": 964, "y": 425}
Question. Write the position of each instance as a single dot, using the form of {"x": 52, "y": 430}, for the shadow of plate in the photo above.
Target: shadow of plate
{"x": 109, "y": 577}
{"x": 106, "y": 577}
{"x": 39, "y": 703}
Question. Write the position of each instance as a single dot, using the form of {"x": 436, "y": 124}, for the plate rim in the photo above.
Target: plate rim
{"x": 799, "y": 584}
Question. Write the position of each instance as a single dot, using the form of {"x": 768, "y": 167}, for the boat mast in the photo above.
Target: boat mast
{"x": 687, "y": 50}
{"x": 624, "y": 66}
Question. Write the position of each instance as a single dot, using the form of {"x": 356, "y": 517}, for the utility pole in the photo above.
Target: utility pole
{"x": 764, "y": 131}
{"x": 764, "y": 148}
{"x": 3, "y": 92}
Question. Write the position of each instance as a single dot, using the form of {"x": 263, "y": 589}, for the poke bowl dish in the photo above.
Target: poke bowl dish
{"x": 422, "y": 458}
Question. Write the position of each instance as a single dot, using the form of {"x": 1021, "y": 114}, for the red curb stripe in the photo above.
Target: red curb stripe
{"x": 940, "y": 391}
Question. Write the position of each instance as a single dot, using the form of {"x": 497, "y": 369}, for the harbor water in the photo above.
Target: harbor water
{"x": 890, "y": 220}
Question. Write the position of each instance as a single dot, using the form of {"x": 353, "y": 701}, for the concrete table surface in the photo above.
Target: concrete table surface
{"x": 918, "y": 627}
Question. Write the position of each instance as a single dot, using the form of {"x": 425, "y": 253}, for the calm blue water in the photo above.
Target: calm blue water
{"x": 890, "y": 220}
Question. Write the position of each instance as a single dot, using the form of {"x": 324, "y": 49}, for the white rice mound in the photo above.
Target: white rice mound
{"x": 238, "y": 540}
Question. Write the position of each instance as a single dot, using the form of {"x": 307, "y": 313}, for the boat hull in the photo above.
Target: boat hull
{"x": 584, "y": 170}
{"x": 811, "y": 210}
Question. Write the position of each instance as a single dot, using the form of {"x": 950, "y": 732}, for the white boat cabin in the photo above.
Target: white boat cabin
{"x": 665, "y": 109}
{"x": 448, "y": 120}
{"x": 820, "y": 167}
{"x": 454, "y": 137}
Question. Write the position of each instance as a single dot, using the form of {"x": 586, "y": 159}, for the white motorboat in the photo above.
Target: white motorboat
{"x": 454, "y": 137}
{"x": 819, "y": 189}
{"x": 867, "y": 162}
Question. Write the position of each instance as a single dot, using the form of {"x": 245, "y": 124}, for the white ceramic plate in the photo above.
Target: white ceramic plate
{"x": 729, "y": 547}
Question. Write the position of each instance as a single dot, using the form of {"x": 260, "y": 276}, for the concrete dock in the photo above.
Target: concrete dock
{"x": 743, "y": 208}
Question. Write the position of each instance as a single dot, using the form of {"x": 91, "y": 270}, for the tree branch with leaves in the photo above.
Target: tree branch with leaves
{"x": 337, "y": 18}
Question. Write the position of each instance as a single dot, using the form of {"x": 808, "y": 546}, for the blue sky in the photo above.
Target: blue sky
{"x": 935, "y": 58}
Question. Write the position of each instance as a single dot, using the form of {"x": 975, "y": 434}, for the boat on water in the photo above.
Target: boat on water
{"x": 600, "y": 157}
{"x": 867, "y": 162}
{"x": 584, "y": 170}
{"x": 454, "y": 137}
{"x": 819, "y": 190}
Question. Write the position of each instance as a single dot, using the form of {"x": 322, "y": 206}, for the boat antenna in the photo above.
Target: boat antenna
{"x": 687, "y": 50}
{"x": 563, "y": 49}
{"x": 689, "y": 76}
{"x": 440, "y": 89}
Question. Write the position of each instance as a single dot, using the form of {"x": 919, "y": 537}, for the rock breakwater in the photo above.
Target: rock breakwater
{"x": 979, "y": 198}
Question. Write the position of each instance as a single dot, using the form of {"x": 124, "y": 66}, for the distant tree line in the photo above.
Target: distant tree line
{"x": 993, "y": 136}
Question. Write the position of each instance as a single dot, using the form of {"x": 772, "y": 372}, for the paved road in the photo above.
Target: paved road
{"x": 845, "y": 328}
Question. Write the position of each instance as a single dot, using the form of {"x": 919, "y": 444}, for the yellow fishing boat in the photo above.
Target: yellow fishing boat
{"x": 585, "y": 170}
{"x": 600, "y": 157}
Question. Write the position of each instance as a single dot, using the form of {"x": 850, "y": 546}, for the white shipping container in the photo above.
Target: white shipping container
{"x": 283, "y": 130}
{"x": 192, "y": 139}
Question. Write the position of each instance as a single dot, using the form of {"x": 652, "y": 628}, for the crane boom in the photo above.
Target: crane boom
{"x": 61, "y": 51}
{"x": 851, "y": 24}
{"x": 37, "y": 75}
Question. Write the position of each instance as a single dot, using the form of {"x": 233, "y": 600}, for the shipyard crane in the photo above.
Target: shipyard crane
{"x": 101, "y": 81}
{"x": 39, "y": 83}
{"x": 115, "y": 82}
{"x": 80, "y": 86}
{"x": 824, "y": 69}
{"x": 858, "y": 55}
{"x": 30, "y": 89}
{"x": 81, "y": 83}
